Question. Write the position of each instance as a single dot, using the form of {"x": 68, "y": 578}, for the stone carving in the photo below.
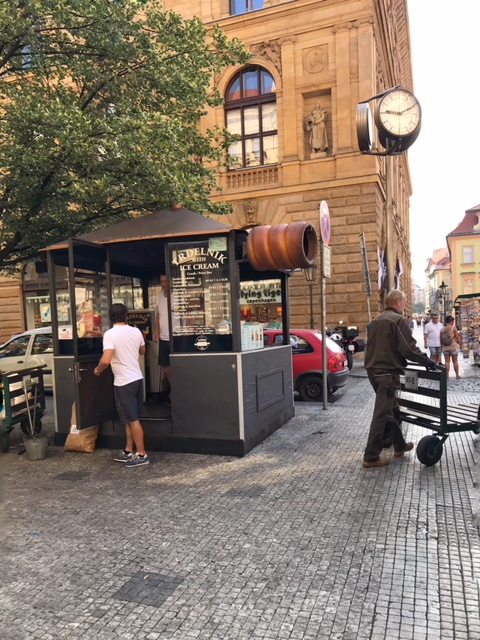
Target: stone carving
{"x": 317, "y": 128}
{"x": 271, "y": 51}
{"x": 315, "y": 60}
{"x": 250, "y": 209}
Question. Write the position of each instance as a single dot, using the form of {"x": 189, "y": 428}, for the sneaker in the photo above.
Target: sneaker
{"x": 137, "y": 461}
{"x": 408, "y": 447}
{"x": 381, "y": 462}
{"x": 123, "y": 457}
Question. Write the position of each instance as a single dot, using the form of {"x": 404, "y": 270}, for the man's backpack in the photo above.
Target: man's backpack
{"x": 446, "y": 336}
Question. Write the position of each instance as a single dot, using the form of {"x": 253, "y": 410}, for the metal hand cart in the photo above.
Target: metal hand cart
{"x": 426, "y": 405}
{"x": 22, "y": 402}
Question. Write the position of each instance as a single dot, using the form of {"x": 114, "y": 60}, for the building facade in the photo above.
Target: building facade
{"x": 464, "y": 246}
{"x": 294, "y": 109}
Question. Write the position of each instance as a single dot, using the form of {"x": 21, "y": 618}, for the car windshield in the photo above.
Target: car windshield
{"x": 331, "y": 344}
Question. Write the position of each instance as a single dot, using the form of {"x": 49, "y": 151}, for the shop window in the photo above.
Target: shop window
{"x": 251, "y": 114}
{"x": 242, "y": 6}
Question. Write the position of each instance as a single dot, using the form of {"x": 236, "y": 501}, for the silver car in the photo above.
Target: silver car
{"x": 29, "y": 349}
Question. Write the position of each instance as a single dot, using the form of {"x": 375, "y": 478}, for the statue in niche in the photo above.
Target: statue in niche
{"x": 317, "y": 128}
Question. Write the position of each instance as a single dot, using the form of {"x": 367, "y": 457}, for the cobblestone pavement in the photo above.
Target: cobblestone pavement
{"x": 294, "y": 541}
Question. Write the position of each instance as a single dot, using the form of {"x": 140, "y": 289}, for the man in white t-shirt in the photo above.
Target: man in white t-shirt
{"x": 122, "y": 346}
{"x": 432, "y": 332}
{"x": 162, "y": 331}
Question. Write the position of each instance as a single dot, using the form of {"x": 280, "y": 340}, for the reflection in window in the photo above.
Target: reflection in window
{"x": 251, "y": 113}
{"x": 242, "y": 6}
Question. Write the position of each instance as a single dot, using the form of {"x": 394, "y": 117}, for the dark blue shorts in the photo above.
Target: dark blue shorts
{"x": 129, "y": 401}
{"x": 164, "y": 353}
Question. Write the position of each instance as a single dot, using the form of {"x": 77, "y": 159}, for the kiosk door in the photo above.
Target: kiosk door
{"x": 90, "y": 299}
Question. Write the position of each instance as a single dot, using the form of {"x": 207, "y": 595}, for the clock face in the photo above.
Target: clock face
{"x": 398, "y": 113}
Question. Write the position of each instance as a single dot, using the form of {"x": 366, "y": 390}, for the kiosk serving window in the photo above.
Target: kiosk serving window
{"x": 201, "y": 311}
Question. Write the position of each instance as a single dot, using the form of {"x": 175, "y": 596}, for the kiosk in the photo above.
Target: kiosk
{"x": 228, "y": 391}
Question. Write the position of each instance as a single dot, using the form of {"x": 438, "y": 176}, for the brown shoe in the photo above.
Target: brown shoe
{"x": 408, "y": 447}
{"x": 381, "y": 462}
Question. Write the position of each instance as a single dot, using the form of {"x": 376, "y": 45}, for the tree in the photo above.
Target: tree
{"x": 100, "y": 102}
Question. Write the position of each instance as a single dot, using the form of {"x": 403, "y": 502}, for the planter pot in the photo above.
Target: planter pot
{"x": 36, "y": 448}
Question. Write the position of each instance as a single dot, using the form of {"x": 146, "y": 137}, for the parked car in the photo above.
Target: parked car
{"x": 29, "y": 349}
{"x": 307, "y": 358}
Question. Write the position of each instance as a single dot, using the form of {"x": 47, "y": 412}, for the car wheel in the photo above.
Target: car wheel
{"x": 310, "y": 389}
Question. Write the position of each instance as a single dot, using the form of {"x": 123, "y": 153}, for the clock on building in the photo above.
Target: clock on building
{"x": 398, "y": 118}
{"x": 364, "y": 127}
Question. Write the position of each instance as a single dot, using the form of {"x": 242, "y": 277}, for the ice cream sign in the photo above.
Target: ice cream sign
{"x": 198, "y": 259}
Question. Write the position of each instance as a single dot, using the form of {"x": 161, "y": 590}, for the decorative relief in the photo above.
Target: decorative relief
{"x": 250, "y": 210}
{"x": 315, "y": 60}
{"x": 271, "y": 51}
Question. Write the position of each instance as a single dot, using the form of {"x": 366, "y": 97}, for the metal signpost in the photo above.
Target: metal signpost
{"x": 325, "y": 235}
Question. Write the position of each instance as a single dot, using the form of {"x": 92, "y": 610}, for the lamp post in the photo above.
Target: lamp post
{"x": 443, "y": 288}
{"x": 310, "y": 274}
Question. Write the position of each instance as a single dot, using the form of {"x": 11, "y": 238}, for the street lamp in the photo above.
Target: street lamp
{"x": 310, "y": 275}
{"x": 443, "y": 288}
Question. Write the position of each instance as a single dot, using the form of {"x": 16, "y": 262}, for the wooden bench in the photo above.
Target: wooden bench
{"x": 425, "y": 404}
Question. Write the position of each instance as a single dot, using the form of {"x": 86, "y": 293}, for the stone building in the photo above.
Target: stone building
{"x": 294, "y": 108}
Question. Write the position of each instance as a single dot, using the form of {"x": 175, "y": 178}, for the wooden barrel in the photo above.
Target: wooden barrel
{"x": 282, "y": 246}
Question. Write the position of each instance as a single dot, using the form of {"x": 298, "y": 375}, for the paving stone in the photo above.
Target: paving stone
{"x": 295, "y": 540}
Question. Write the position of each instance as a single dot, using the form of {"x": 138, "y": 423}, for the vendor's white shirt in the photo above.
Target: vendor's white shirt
{"x": 433, "y": 331}
{"x": 126, "y": 342}
{"x": 162, "y": 309}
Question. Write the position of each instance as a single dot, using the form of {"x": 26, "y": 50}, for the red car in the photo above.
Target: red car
{"x": 307, "y": 357}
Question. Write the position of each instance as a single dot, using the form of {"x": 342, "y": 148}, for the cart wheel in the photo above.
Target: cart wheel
{"x": 429, "y": 450}
{"x": 25, "y": 427}
{"x": 4, "y": 441}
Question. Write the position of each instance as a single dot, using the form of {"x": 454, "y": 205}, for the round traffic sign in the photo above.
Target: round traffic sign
{"x": 324, "y": 222}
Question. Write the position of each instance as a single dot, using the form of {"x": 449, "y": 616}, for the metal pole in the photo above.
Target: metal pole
{"x": 389, "y": 223}
{"x": 312, "y": 320}
{"x": 324, "y": 334}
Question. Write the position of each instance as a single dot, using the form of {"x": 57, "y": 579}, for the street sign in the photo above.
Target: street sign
{"x": 324, "y": 222}
{"x": 326, "y": 252}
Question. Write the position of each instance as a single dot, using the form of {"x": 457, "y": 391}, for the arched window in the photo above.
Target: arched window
{"x": 251, "y": 113}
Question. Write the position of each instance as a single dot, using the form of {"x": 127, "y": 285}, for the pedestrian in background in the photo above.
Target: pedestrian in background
{"x": 122, "y": 346}
{"x": 431, "y": 335}
{"x": 390, "y": 345}
{"x": 451, "y": 344}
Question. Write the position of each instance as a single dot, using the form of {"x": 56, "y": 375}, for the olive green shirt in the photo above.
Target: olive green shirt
{"x": 390, "y": 343}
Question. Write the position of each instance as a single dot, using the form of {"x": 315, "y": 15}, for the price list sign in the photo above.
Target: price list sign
{"x": 200, "y": 295}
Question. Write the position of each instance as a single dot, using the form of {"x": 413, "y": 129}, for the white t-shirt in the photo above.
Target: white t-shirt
{"x": 162, "y": 309}
{"x": 126, "y": 342}
{"x": 433, "y": 331}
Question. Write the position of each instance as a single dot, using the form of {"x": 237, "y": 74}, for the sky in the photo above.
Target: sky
{"x": 444, "y": 160}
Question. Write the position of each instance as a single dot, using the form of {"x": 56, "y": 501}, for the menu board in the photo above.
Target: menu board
{"x": 200, "y": 295}
{"x": 142, "y": 319}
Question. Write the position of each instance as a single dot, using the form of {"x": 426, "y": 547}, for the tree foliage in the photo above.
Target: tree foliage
{"x": 100, "y": 102}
